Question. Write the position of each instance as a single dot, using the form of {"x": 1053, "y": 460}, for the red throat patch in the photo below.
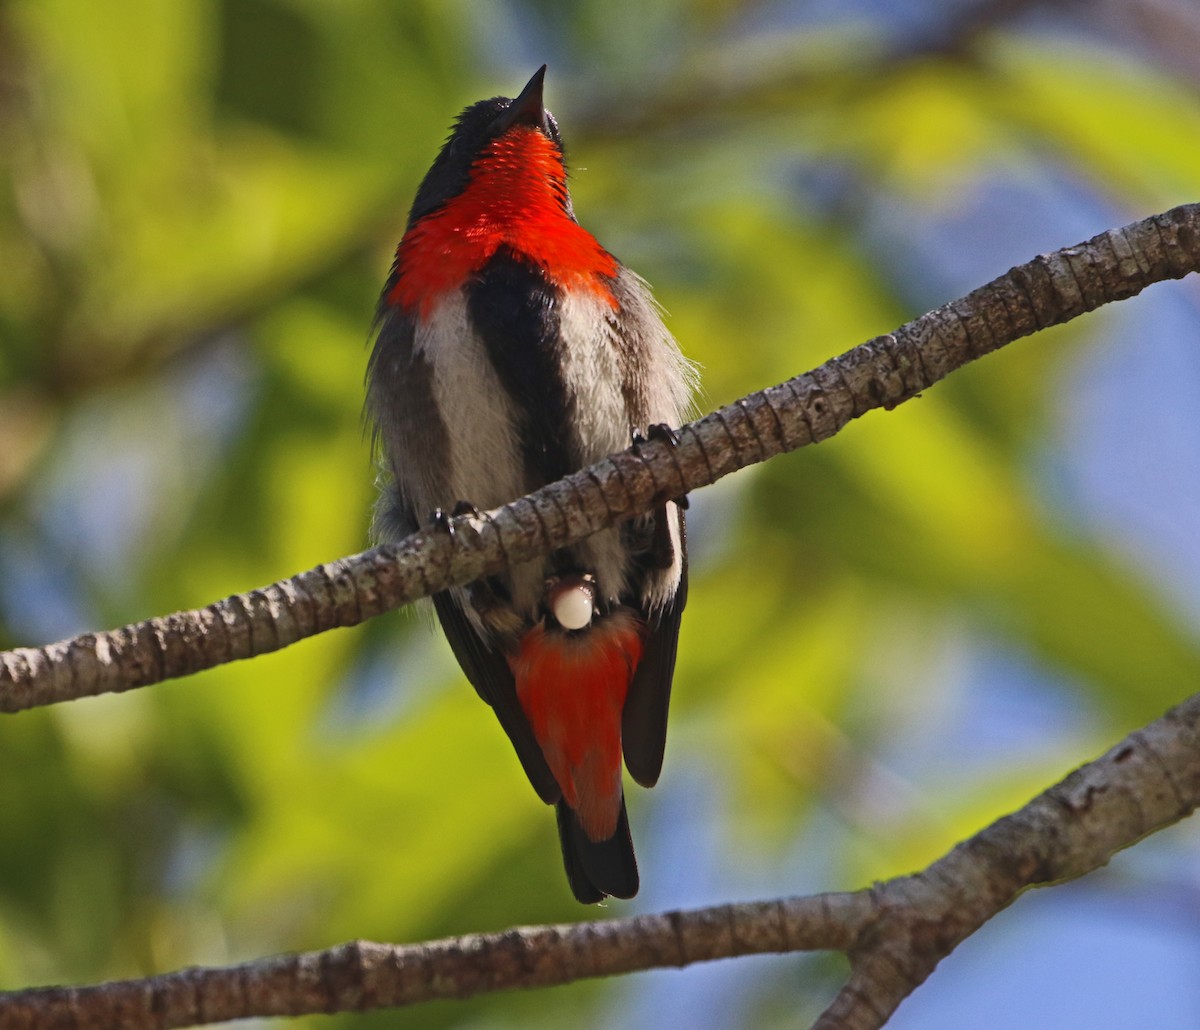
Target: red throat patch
{"x": 572, "y": 688}
{"x": 515, "y": 197}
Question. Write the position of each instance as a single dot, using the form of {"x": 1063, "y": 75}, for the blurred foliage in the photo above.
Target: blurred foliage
{"x": 199, "y": 203}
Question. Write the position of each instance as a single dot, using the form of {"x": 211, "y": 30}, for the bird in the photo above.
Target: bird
{"x": 511, "y": 349}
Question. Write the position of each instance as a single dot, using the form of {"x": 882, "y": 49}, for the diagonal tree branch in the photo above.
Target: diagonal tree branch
{"x": 881, "y": 373}
{"x": 895, "y": 933}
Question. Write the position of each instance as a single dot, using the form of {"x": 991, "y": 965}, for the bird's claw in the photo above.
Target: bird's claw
{"x": 442, "y": 521}
{"x": 445, "y": 521}
{"x": 665, "y": 433}
{"x": 669, "y": 436}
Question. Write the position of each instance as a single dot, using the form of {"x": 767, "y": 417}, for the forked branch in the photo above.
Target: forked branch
{"x": 895, "y": 933}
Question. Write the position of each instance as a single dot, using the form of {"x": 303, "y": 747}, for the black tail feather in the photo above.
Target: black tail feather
{"x": 644, "y": 717}
{"x": 596, "y": 869}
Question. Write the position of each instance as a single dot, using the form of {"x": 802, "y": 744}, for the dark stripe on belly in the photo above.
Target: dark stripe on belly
{"x": 515, "y": 311}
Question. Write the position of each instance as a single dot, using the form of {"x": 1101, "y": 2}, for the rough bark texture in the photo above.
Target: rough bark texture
{"x": 880, "y": 373}
{"x": 895, "y": 933}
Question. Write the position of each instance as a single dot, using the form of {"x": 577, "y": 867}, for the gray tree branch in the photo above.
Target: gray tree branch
{"x": 894, "y": 933}
{"x": 881, "y": 373}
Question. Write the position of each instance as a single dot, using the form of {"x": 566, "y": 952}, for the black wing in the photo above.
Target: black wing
{"x": 488, "y": 671}
{"x": 596, "y": 869}
{"x": 644, "y": 718}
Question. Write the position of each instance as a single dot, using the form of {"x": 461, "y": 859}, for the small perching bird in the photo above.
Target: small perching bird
{"x": 513, "y": 349}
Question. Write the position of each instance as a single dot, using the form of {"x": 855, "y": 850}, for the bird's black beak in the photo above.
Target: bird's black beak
{"x": 527, "y": 109}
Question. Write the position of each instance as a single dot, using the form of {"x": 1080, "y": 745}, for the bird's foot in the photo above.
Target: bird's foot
{"x": 660, "y": 431}
{"x": 444, "y": 520}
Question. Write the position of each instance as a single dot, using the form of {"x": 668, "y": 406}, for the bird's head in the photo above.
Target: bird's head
{"x": 499, "y": 185}
{"x": 512, "y": 142}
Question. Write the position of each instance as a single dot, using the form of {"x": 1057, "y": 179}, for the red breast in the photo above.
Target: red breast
{"x": 515, "y": 197}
